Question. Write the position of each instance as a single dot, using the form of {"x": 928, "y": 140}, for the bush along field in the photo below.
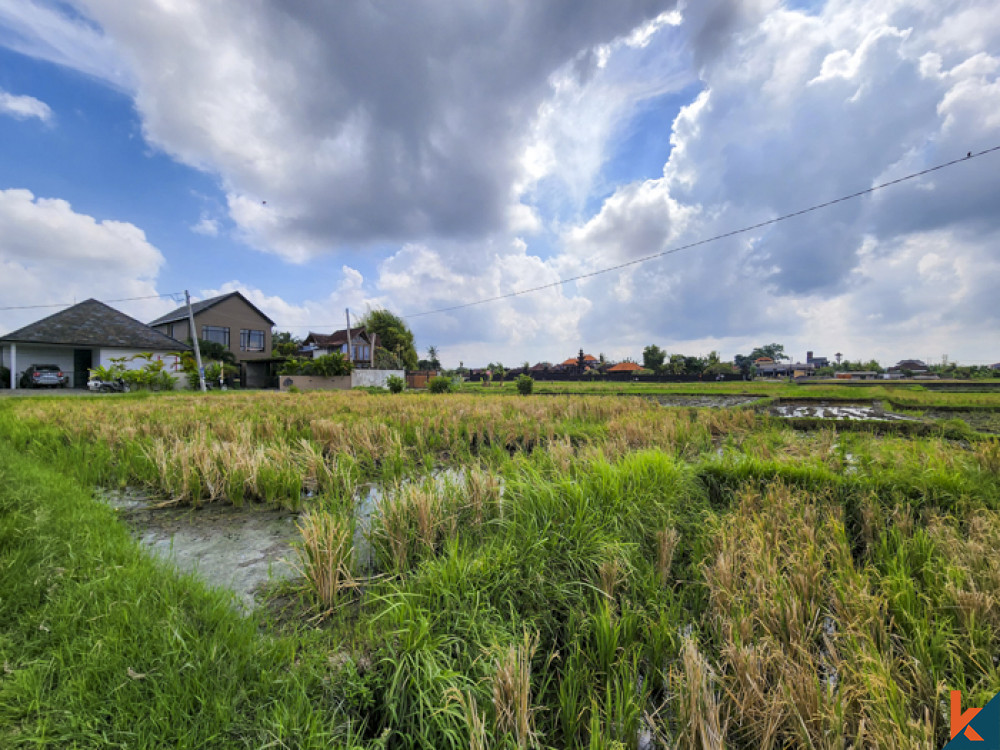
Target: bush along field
{"x": 558, "y": 571}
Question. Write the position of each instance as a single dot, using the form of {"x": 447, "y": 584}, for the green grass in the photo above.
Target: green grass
{"x": 590, "y": 567}
{"x": 104, "y": 648}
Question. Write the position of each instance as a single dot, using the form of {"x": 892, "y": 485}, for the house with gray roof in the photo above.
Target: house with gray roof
{"x": 232, "y": 321}
{"x": 84, "y": 336}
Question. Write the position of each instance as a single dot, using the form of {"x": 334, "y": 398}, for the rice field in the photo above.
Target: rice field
{"x": 579, "y": 571}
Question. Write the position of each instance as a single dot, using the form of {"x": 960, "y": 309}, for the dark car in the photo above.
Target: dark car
{"x": 38, "y": 376}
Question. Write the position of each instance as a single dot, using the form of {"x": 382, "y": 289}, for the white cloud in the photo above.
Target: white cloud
{"x": 41, "y": 29}
{"x": 24, "y": 107}
{"x": 51, "y": 254}
{"x": 206, "y": 226}
{"x": 798, "y": 109}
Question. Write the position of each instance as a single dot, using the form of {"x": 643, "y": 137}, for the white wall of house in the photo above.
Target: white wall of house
{"x": 32, "y": 354}
{"x": 62, "y": 357}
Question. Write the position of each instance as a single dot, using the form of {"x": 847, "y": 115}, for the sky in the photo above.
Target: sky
{"x": 323, "y": 156}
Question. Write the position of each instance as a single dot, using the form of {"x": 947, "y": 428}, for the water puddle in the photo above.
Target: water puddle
{"x": 242, "y": 549}
{"x": 238, "y": 549}
{"x": 707, "y": 401}
{"x": 868, "y": 411}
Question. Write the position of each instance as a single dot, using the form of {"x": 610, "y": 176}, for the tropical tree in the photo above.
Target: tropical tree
{"x": 285, "y": 344}
{"x": 773, "y": 351}
{"x": 432, "y": 356}
{"x": 393, "y": 335}
{"x": 653, "y": 357}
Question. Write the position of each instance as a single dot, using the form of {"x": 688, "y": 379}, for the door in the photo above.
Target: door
{"x": 83, "y": 360}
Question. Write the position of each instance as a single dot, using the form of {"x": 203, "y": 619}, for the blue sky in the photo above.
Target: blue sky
{"x": 318, "y": 157}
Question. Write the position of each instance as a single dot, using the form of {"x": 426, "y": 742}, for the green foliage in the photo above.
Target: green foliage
{"x": 327, "y": 365}
{"x": 395, "y": 384}
{"x": 4, "y": 377}
{"x": 151, "y": 376}
{"x": 774, "y": 351}
{"x": 285, "y": 344}
{"x": 525, "y": 384}
{"x": 439, "y": 384}
{"x": 386, "y": 360}
{"x": 393, "y": 335}
{"x": 653, "y": 357}
{"x": 212, "y": 350}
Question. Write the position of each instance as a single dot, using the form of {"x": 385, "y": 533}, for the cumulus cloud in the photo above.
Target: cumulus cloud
{"x": 355, "y": 123}
{"x": 206, "y": 226}
{"x": 451, "y": 137}
{"x": 24, "y": 107}
{"x": 797, "y": 109}
{"x": 51, "y": 254}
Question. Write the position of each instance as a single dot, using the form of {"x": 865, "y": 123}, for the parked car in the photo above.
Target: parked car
{"x": 39, "y": 376}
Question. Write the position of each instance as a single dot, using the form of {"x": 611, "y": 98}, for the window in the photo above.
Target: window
{"x": 215, "y": 334}
{"x": 251, "y": 341}
{"x": 170, "y": 330}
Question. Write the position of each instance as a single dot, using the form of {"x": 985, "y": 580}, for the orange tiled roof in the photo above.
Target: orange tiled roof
{"x": 586, "y": 358}
{"x": 625, "y": 367}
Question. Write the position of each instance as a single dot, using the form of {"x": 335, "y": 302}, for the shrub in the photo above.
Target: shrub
{"x": 395, "y": 384}
{"x": 525, "y": 384}
{"x": 4, "y": 377}
{"x": 440, "y": 384}
{"x": 328, "y": 365}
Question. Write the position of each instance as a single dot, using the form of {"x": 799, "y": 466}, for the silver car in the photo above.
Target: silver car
{"x": 42, "y": 376}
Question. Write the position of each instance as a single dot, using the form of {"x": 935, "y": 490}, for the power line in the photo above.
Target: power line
{"x": 172, "y": 295}
{"x": 715, "y": 238}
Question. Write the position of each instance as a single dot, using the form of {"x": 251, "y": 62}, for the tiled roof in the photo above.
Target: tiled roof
{"x": 92, "y": 323}
{"x": 326, "y": 340}
{"x": 586, "y": 358}
{"x": 625, "y": 367}
{"x": 181, "y": 312}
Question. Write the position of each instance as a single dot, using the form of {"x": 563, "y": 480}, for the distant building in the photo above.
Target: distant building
{"x": 362, "y": 345}
{"x": 857, "y": 375}
{"x": 784, "y": 369}
{"x": 912, "y": 366}
{"x": 625, "y": 367}
{"x": 817, "y": 361}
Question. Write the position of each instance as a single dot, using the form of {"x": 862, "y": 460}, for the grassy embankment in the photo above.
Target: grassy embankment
{"x": 597, "y": 569}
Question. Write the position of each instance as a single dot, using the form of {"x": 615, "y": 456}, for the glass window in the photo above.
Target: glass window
{"x": 251, "y": 340}
{"x": 215, "y": 334}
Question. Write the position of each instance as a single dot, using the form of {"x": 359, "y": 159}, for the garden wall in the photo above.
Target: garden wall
{"x": 315, "y": 382}
{"x": 357, "y": 379}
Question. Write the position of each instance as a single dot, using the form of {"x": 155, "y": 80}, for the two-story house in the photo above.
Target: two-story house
{"x": 233, "y": 321}
{"x": 362, "y": 344}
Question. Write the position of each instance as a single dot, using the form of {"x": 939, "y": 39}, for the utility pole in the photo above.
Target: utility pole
{"x": 350, "y": 354}
{"x": 194, "y": 339}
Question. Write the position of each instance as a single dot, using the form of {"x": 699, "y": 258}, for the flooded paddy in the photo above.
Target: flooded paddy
{"x": 709, "y": 401}
{"x": 836, "y": 410}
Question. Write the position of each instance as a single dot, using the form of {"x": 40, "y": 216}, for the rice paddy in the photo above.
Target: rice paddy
{"x": 551, "y": 571}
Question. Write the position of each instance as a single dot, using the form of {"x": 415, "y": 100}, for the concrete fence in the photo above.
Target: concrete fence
{"x": 357, "y": 379}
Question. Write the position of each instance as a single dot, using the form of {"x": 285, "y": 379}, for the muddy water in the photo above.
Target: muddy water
{"x": 241, "y": 549}
{"x": 233, "y": 548}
